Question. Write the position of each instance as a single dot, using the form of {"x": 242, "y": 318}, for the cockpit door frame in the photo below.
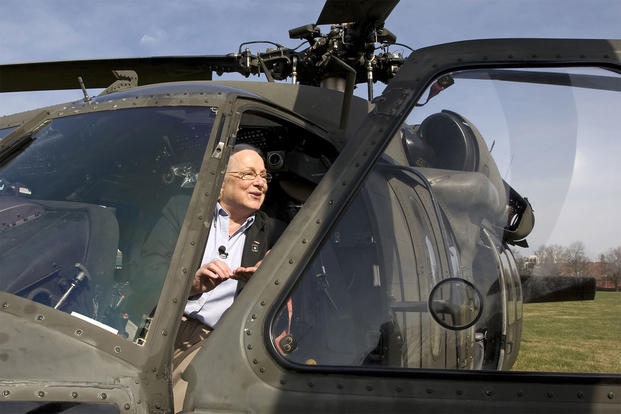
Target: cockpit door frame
{"x": 249, "y": 378}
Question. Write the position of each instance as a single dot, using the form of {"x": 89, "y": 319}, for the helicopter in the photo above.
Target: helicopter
{"x": 394, "y": 287}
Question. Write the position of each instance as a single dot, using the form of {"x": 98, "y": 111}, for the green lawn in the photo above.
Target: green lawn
{"x": 581, "y": 336}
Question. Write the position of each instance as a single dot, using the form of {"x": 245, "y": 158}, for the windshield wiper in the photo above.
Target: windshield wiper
{"x": 19, "y": 139}
{"x": 7, "y": 152}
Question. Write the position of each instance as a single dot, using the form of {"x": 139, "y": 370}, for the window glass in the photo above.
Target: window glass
{"x": 91, "y": 207}
{"x": 360, "y": 303}
{"x": 450, "y": 205}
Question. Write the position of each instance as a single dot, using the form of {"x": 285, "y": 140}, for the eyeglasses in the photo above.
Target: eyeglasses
{"x": 251, "y": 175}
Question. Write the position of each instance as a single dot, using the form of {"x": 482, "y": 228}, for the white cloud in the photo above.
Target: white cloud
{"x": 154, "y": 38}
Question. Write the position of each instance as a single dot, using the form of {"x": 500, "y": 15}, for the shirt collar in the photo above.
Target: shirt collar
{"x": 220, "y": 212}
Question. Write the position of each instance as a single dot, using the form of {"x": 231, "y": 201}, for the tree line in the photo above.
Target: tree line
{"x": 572, "y": 261}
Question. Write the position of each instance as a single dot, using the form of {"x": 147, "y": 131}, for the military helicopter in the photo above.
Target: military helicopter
{"x": 393, "y": 289}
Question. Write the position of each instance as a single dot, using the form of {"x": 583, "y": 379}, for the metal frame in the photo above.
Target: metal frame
{"x": 353, "y": 389}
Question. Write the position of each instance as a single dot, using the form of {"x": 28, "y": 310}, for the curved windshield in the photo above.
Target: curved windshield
{"x": 78, "y": 203}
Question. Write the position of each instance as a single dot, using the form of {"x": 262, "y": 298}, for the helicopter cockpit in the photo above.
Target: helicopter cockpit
{"x": 81, "y": 194}
{"x": 103, "y": 182}
{"x": 115, "y": 185}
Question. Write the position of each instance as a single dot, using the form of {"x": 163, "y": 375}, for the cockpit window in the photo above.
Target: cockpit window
{"x": 361, "y": 302}
{"x": 77, "y": 206}
{"x": 435, "y": 262}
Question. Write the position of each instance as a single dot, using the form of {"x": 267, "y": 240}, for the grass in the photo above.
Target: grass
{"x": 581, "y": 336}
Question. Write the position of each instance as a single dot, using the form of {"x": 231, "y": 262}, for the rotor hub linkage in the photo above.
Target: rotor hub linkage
{"x": 352, "y": 43}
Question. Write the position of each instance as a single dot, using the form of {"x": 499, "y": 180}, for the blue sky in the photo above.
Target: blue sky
{"x": 40, "y": 30}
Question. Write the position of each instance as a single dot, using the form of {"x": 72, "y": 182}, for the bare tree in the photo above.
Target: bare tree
{"x": 603, "y": 270}
{"x": 576, "y": 261}
{"x": 613, "y": 266}
{"x": 550, "y": 259}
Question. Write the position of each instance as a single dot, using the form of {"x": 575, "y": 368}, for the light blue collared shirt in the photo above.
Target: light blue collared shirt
{"x": 210, "y": 306}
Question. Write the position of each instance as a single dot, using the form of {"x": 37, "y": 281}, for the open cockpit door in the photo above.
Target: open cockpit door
{"x": 396, "y": 287}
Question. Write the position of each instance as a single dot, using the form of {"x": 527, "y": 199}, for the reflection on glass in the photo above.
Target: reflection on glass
{"x": 455, "y": 303}
{"x": 79, "y": 204}
{"x": 360, "y": 302}
{"x": 453, "y": 196}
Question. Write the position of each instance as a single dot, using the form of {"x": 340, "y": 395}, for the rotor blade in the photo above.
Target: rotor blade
{"x": 97, "y": 73}
{"x": 607, "y": 83}
{"x": 356, "y": 11}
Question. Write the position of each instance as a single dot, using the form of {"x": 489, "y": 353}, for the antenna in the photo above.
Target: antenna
{"x": 86, "y": 98}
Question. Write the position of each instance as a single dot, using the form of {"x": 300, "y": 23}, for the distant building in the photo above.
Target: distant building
{"x": 603, "y": 279}
{"x": 531, "y": 261}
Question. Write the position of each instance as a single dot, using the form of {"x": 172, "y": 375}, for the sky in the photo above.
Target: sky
{"x": 42, "y": 30}
{"x": 48, "y": 30}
